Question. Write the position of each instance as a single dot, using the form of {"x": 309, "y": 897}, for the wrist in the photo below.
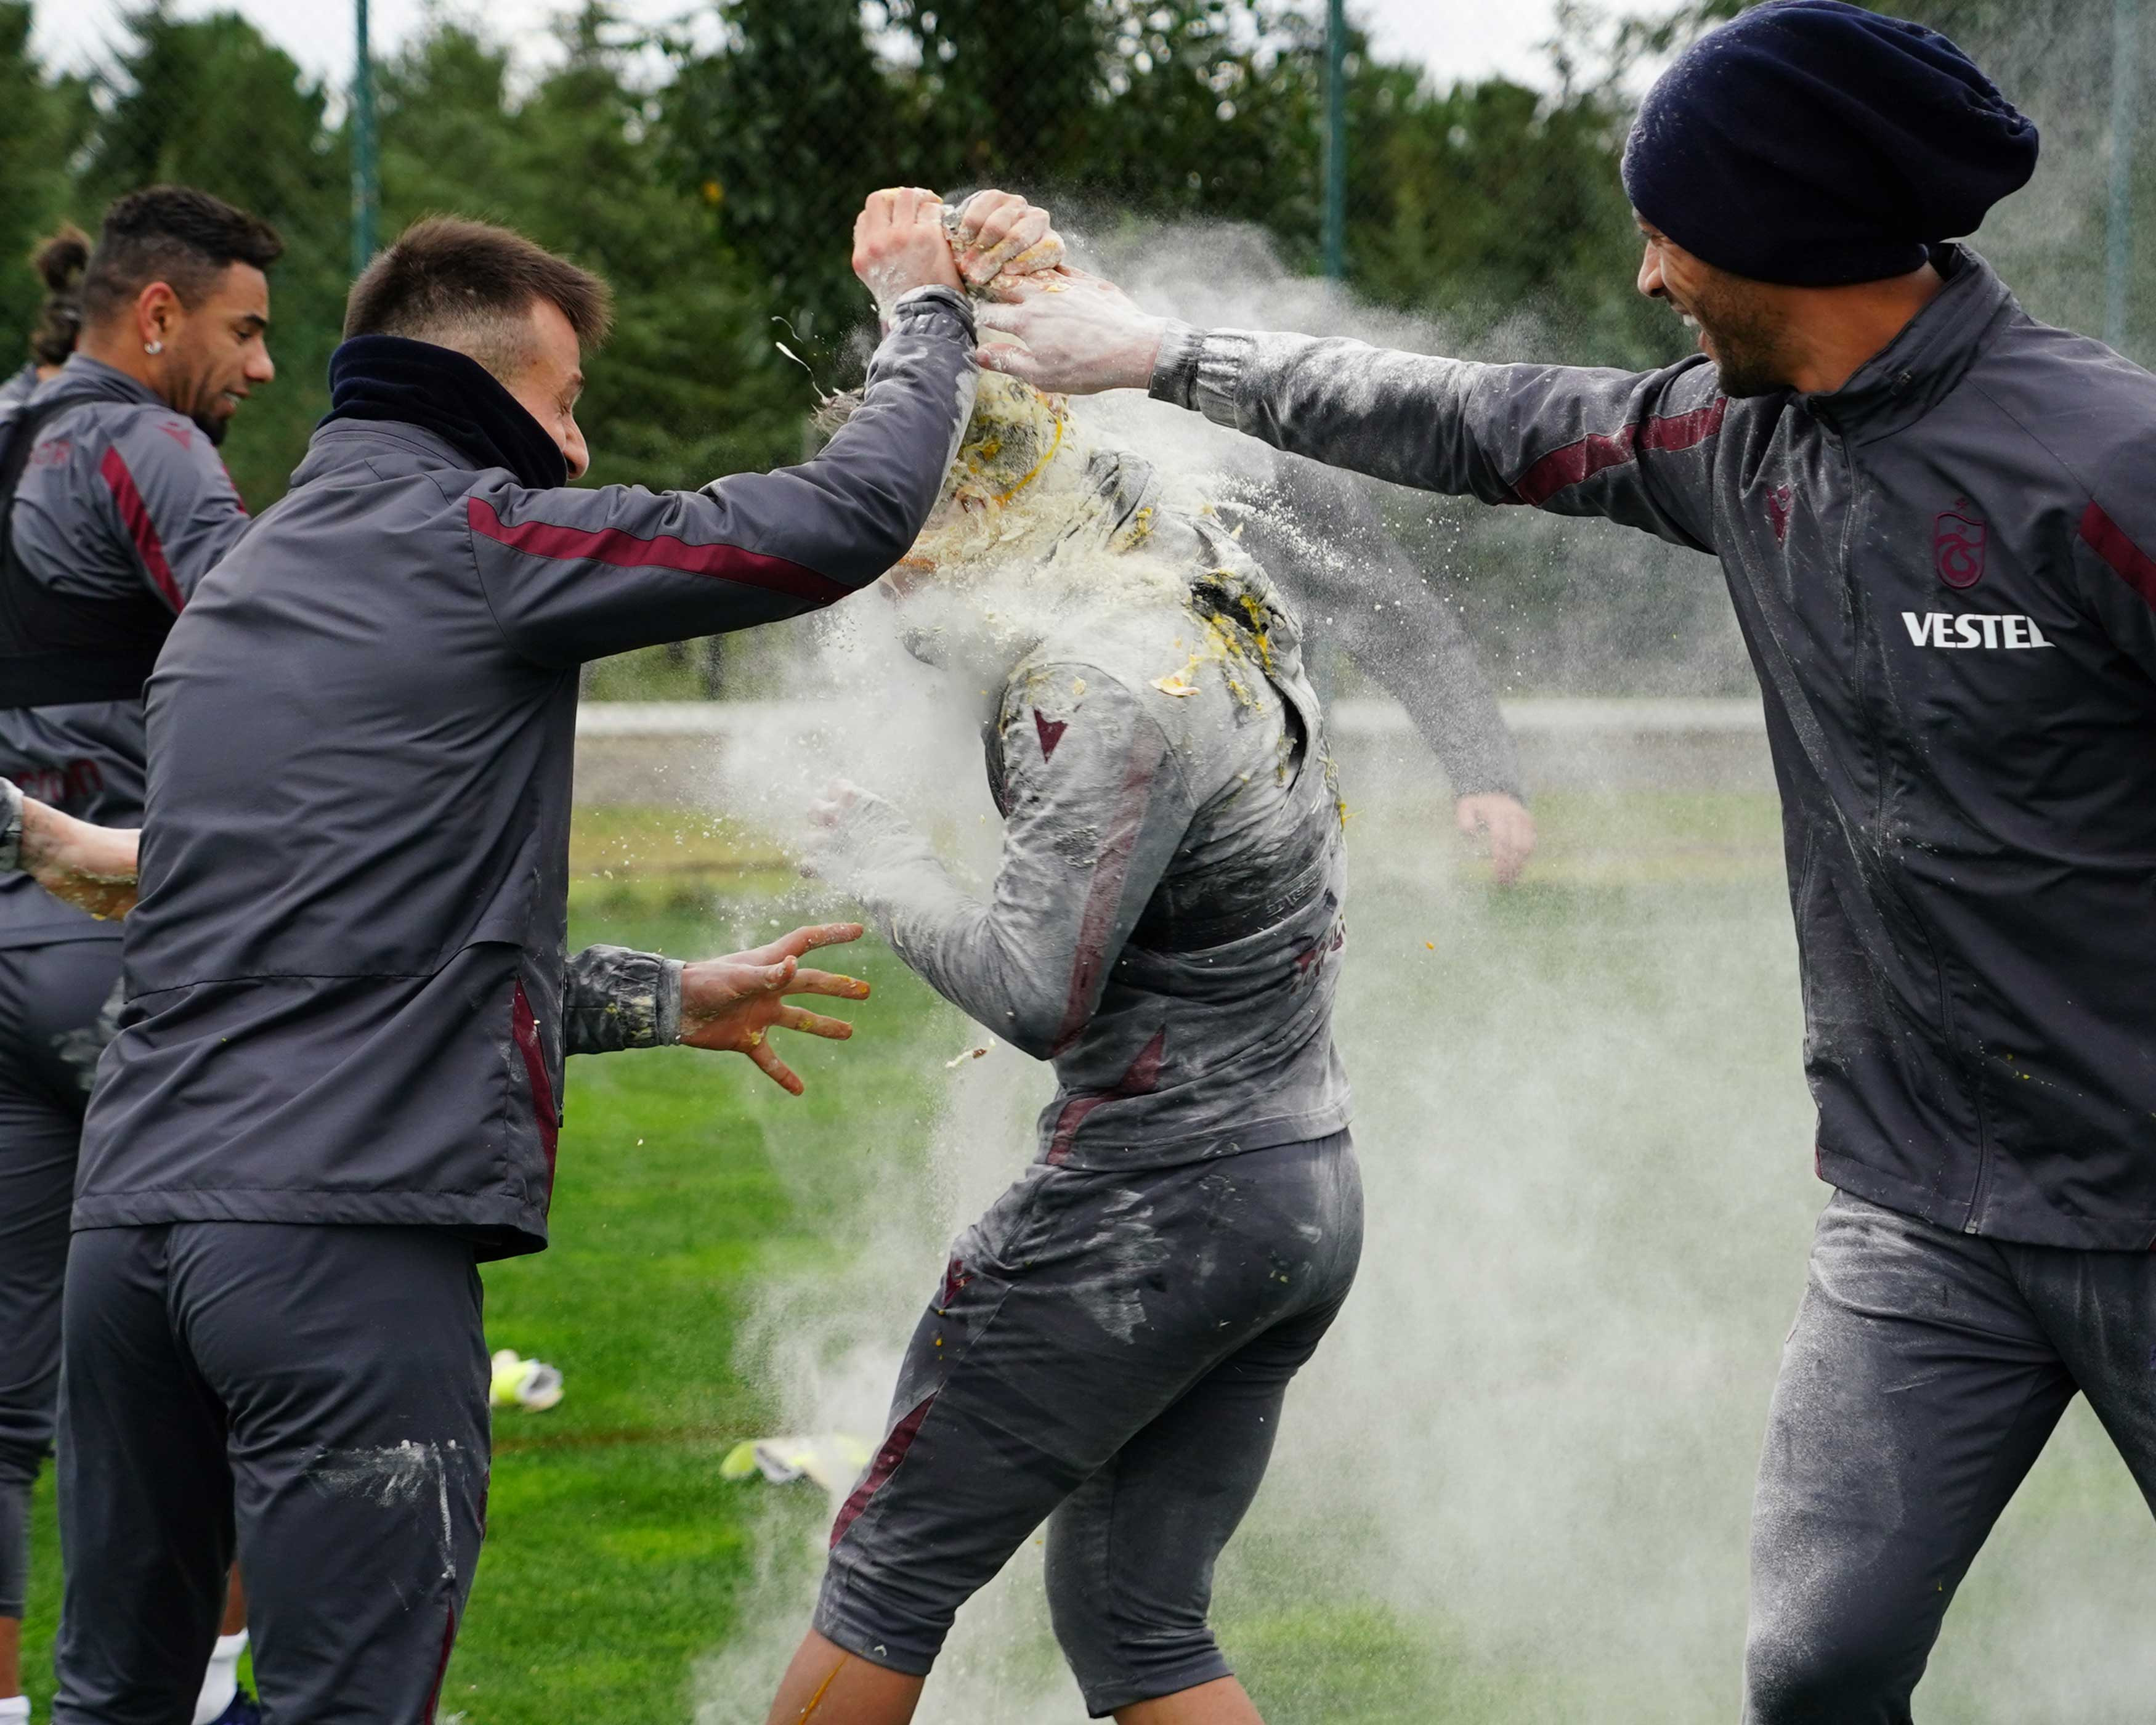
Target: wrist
{"x": 926, "y": 300}
{"x": 666, "y": 1025}
{"x": 1172, "y": 373}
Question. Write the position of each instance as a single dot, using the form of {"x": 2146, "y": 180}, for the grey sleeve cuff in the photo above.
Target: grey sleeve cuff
{"x": 613, "y": 998}
{"x": 1175, "y": 366}
{"x": 1200, "y": 369}
{"x": 922, "y": 300}
{"x": 11, "y": 828}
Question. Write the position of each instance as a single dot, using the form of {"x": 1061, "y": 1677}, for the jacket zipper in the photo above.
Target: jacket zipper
{"x": 1860, "y": 613}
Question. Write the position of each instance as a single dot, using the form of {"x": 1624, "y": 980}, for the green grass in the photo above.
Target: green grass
{"x": 1513, "y": 1486}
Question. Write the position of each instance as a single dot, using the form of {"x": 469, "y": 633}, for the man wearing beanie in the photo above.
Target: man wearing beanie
{"x": 1935, "y": 519}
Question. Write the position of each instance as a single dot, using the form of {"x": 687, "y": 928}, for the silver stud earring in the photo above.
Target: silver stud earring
{"x": 153, "y": 348}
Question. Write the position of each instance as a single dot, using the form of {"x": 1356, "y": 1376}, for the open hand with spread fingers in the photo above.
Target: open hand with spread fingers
{"x": 734, "y": 1003}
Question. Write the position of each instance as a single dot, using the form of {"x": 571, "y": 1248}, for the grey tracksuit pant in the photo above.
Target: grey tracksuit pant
{"x": 1926, "y": 1371}
{"x": 1108, "y": 1352}
{"x": 321, "y": 1391}
{"x": 51, "y": 999}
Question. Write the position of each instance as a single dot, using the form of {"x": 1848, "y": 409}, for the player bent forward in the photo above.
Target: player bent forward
{"x": 1112, "y": 1343}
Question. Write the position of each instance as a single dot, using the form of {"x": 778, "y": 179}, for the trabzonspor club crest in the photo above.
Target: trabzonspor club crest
{"x": 1958, "y": 542}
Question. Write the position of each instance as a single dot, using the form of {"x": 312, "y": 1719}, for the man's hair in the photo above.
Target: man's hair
{"x": 174, "y": 234}
{"x": 470, "y": 286}
{"x": 59, "y": 260}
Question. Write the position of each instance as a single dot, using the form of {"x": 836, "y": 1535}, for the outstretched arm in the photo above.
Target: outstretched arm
{"x": 1096, "y": 807}
{"x": 1318, "y": 534}
{"x": 91, "y": 868}
{"x": 576, "y": 574}
{"x": 1634, "y": 447}
{"x": 616, "y": 998}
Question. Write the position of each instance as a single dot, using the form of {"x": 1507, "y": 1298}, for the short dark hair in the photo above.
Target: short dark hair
{"x": 59, "y": 260}
{"x": 470, "y": 286}
{"x": 174, "y": 234}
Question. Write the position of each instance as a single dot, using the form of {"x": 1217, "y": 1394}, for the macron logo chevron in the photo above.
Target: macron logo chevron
{"x": 1051, "y": 731}
{"x": 1953, "y": 633}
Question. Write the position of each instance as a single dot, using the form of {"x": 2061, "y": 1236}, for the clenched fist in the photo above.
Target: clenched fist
{"x": 899, "y": 243}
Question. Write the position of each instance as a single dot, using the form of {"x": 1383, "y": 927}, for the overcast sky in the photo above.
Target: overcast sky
{"x": 1456, "y": 39}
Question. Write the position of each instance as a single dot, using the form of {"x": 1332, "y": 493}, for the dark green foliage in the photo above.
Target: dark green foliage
{"x": 715, "y": 182}
{"x": 40, "y": 121}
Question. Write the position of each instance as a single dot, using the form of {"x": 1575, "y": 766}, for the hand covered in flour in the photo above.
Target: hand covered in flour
{"x": 1078, "y": 334}
{"x": 999, "y": 237}
{"x": 847, "y": 824}
{"x": 1510, "y": 829}
{"x": 734, "y": 1003}
{"x": 900, "y": 245}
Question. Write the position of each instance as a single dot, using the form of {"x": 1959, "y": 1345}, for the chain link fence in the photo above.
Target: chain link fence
{"x": 710, "y": 167}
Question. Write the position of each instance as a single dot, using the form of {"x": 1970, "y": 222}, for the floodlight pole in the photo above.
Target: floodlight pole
{"x": 2125, "y": 93}
{"x": 365, "y": 193}
{"x": 1336, "y": 139}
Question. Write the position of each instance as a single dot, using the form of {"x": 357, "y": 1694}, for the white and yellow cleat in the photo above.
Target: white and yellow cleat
{"x": 531, "y": 1384}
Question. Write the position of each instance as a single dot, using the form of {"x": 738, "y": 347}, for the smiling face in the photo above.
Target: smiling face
{"x": 215, "y": 351}
{"x": 1739, "y": 323}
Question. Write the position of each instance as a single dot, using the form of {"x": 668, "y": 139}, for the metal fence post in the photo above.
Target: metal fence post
{"x": 1335, "y": 140}
{"x": 2125, "y": 95}
{"x": 366, "y": 195}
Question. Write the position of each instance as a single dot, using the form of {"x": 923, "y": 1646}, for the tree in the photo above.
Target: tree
{"x": 41, "y": 122}
{"x": 683, "y": 392}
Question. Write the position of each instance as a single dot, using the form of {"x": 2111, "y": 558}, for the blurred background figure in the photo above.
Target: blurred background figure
{"x": 58, "y": 261}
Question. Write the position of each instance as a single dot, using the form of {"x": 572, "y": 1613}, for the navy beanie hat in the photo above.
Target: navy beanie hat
{"x": 1813, "y": 143}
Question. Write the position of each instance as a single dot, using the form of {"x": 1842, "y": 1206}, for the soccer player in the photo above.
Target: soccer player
{"x": 59, "y": 261}
{"x": 1112, "y": 1344}
{"x": 336, "y": 1089}
{"x": 113, "y": 507}
{"x": 1935, "y": 519}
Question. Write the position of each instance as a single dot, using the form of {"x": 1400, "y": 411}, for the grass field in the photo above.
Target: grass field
{"x": 1512, "y": 1487}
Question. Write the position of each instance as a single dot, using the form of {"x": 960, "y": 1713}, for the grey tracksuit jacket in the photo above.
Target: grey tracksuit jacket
{"x": 345, "y": 972}
{"x": 1943, "y": 571}
{"x": 124, "y": 502}
{"x": 1168, "y": 915}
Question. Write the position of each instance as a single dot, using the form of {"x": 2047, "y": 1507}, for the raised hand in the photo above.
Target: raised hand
{"x": 900, "y": 245}
{"x": 733, "y": 1004}
{"x": 1078, "y": 334}
{"x": 999, "y": 237}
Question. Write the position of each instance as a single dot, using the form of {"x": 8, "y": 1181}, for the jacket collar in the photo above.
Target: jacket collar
{"x": 93, "y": 380}
{"x": 338, "y": 443}
{"x": 1920, "y": 367}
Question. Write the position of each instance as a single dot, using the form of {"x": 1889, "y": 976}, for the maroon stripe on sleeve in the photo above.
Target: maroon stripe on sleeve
{"x": 1104, "y": 893}
{"x": 886, "y": 1464}
{"x": 134, "y": 514}
{"x": 2128, "y": 561}
{"x": 524, "y": 1030}
{"x": 1578, "y": 462}
{"x": 625, "y": 550}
